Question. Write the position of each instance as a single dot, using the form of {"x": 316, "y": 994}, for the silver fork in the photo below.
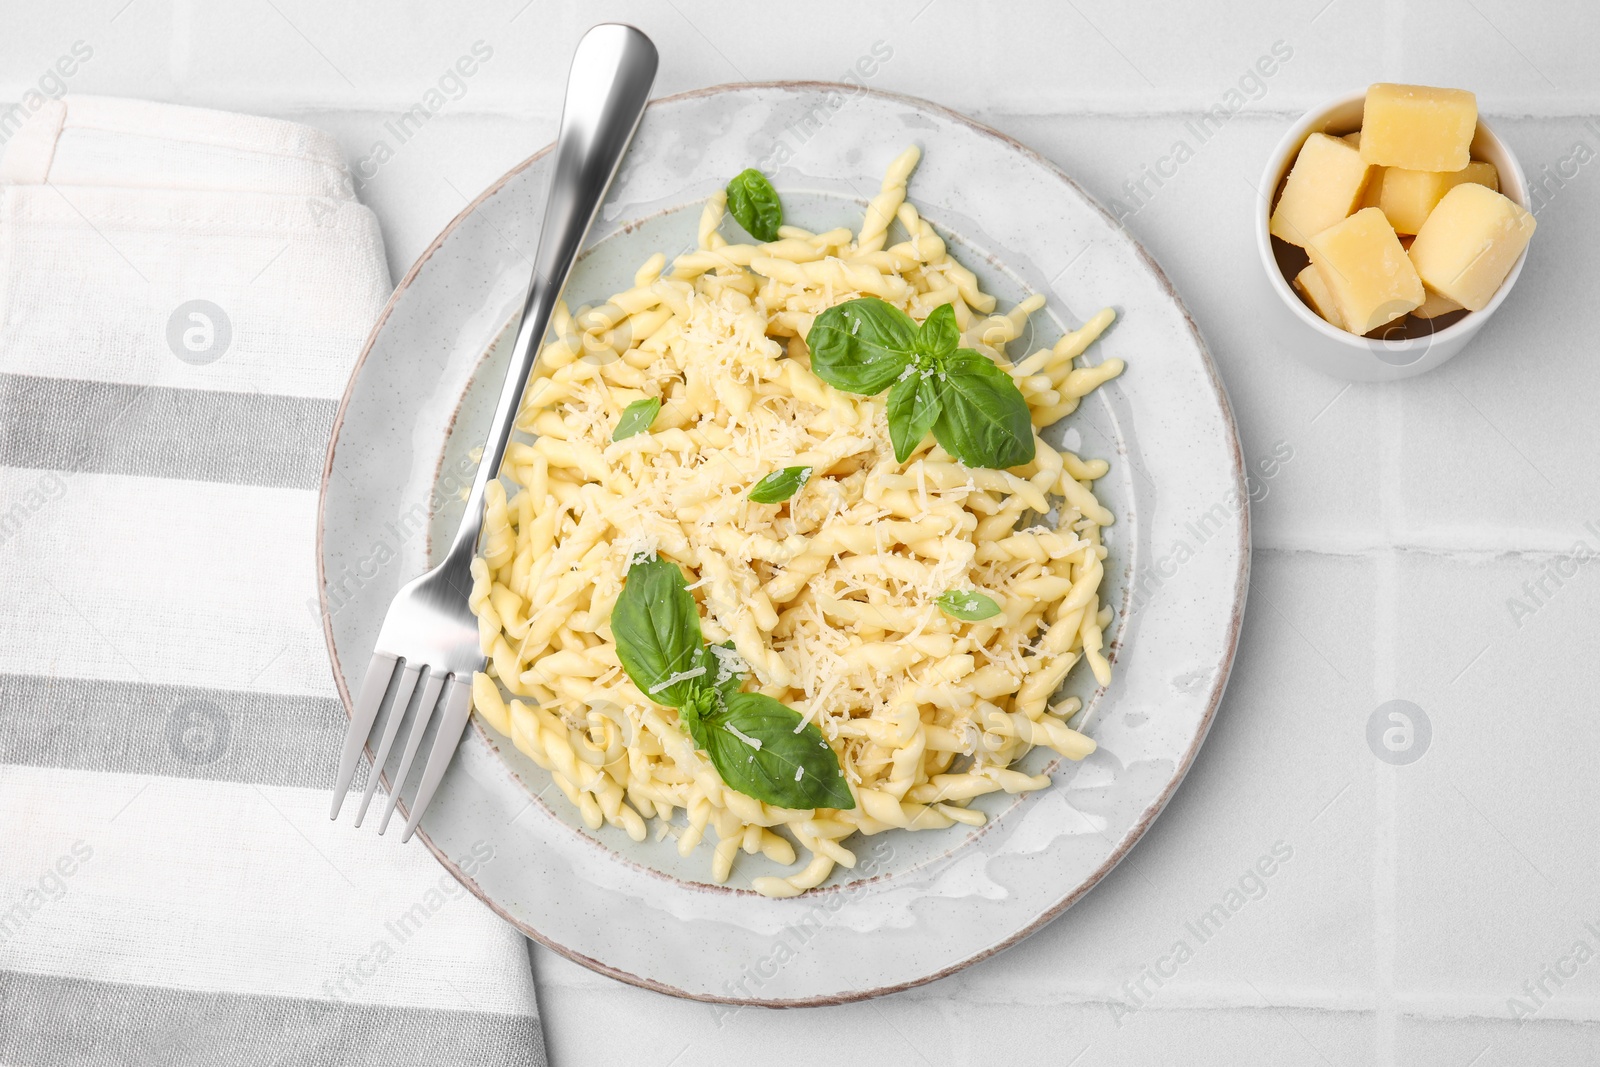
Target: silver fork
{"x": 430, "y": 634}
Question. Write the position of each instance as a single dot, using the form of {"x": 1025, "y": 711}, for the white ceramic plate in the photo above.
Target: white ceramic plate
{"x": 920, "y": 905}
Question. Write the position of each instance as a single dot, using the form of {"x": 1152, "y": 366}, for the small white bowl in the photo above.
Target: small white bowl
{"x": 1346, "y": 355}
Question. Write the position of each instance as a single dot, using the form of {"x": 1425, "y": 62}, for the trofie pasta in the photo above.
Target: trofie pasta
{"x": 855, "y": 601}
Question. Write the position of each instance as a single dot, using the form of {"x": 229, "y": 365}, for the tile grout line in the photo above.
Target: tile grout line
{"x": 180, "y": 46}
{"x": 1227, "y": 996}
{"x": 1394, "y": 21}
{"x": 549, "y": 111}
{"x": 1532, "y": 547}
{"x": 1385, "y": 636}
{"x": 1384, "y": 845}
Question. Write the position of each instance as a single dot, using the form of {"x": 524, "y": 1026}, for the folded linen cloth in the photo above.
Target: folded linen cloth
{"x": 182, "y": 296}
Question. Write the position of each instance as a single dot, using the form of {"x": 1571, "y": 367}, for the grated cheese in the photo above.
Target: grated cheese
{"x": 674, "y": 679}
{"x": 828, "y": 599}
{"x": 746, "y": 738}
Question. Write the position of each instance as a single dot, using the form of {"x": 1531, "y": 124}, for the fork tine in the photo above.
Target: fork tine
{"x": 419, "y": 726}
{"x": 458, "y": 706}
{"x": 397, "y": 711}
{"x": 380, "y": 672}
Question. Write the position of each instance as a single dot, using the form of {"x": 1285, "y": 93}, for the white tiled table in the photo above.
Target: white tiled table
{"x": 1418, "y": 899}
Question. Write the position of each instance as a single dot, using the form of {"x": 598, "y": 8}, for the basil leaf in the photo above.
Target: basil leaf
{"x": 700, "y": 706}
{"x": 750, "y": 737}
{"x": 779, "y": 486}
{"x": 657, "y": 629}
{"x": 637, "y": 417}
{"x": 754, "y": 204}
{"x": 861, "y": 345}
{"x": 914, "y": 406}
{"x": 789, "y": 769}
{"x": 984, "y": 420}
{"x": 939, "y": 335}
{"x": 966, "y": 605}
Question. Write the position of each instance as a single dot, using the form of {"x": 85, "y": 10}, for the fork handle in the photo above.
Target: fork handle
{"x": 607, "y": 89}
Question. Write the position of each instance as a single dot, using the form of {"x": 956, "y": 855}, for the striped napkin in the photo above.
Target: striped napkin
{"x": 184, "y": 294}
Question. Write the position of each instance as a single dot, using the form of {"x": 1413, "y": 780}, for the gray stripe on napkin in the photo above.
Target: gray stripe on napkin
{"x": 52, "y": 1021}
{"x": 174, "y": 731}
{"x": 70, "y": 424}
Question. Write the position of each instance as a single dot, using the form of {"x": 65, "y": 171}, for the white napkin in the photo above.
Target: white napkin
{"x": 184, "y": 294}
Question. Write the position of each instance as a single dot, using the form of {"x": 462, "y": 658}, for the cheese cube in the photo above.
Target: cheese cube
{"x": 1478, "y": 174}
{"x": 1434, "y": 305}
{"x": 1468, "y": 245}
{"x": 1352, "y": 139}
{"x": 1418, "y": 128}
{"x": 1309, "y": 284}
{"x": 1366, "y": 271}
{"x": 1324, "y": 184}
{"x": 1409, "y": 195}
{"x": 1373, "y": 196}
